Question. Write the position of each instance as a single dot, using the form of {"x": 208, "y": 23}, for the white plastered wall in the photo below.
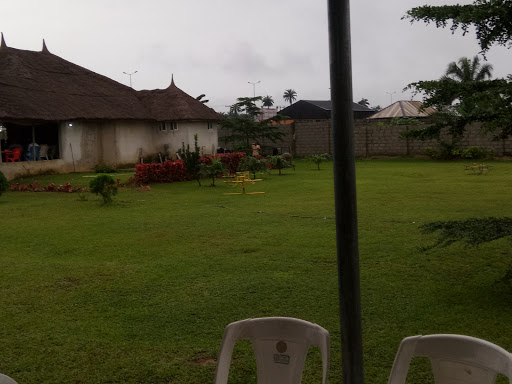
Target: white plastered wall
{"x": 86, "y": 144}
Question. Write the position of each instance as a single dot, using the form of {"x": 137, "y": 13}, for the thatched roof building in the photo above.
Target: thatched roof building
{"x": 40, "y": 86}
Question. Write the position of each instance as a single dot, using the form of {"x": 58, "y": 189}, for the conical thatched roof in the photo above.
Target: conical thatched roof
{"x": 174, "y": 104}
{"x": 44, "y": 87}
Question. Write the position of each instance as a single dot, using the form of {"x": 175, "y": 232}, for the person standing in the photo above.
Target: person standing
{"x": 255, "y": 149}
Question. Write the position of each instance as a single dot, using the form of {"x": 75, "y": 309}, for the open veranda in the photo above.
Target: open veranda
{"x": 141, "y": 290}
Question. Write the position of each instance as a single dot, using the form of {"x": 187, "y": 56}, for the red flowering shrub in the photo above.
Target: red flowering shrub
{"x": 231, "y": 160}
{"x": 35, "y": 187}
{"x": 168, "y": 172}
{"x": 173, "y": 171}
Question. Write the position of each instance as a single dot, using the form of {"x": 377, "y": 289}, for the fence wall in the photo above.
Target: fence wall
{"x": 374, "y": 139}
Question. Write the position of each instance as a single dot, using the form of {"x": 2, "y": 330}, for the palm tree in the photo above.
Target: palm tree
{"x": 364, "y": 102}
{"x": 290, "y": 95}
{"x": 268, "y": 101}
{"x": 466, "y": 70}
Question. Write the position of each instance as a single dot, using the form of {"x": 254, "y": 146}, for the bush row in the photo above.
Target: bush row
{"x": 173, "y": 171}
{"x": 35, "y": 187}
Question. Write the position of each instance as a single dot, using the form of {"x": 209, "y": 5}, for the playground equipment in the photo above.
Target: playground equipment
{"x": 241, "y": 180}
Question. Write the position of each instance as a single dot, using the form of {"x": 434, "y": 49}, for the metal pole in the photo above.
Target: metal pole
{"x": 345, "y": 191}
{"x": 254, "y": 87}
{"x": 130, "y": 74}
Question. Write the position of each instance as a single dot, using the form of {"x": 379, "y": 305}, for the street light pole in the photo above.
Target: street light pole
{"x": 390, "y": 97}
{"x": 130, "y": 74}
{"x": 254, "y": 87}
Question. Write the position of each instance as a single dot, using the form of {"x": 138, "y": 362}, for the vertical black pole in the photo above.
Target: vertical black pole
{"x": 345, "y": 191}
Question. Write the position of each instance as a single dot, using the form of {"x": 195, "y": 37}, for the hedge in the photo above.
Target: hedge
{"x": 173, "y": 171}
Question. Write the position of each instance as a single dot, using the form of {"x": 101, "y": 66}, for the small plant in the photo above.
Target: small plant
{"x": 253, "y": 165}
{"x": 216, "y": 168}
{"x": 281, "y": 161}
{"x": 452, "y": 152}
{"x": 104, "y": 169}
{"x": 82, "y": 196}
{"x": 4, "y": 185}
{"x": 105, "y": 186}
{"x": 318, "y": 159}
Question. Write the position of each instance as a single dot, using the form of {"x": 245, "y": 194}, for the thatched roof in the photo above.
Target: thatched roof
{"x": 174, "y": 104}
{"x": 41, "y": 86}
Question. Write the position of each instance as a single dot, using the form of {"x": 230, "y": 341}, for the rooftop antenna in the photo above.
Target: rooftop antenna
{"x": 130, "y": 74}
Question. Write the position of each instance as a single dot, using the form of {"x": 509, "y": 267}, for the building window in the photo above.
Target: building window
{"x": 210, "y": 125}
{"x": 168, "y": 126}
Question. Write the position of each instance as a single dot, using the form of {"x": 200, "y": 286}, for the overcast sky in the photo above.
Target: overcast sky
{"x": 217, "y": 47}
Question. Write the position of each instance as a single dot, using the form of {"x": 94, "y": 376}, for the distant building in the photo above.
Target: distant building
{"x": 87, "y": 119}
{"x": 404, "y": 108}
{"x": 320, "y": 109}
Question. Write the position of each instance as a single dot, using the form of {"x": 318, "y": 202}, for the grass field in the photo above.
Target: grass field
{"x": 140, "y": 291}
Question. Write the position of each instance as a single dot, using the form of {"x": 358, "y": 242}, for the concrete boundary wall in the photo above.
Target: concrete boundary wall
{"x": 310, "y": 137}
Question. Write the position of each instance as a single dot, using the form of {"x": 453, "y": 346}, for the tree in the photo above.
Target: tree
{"x": 467, "y": 70}
{"x": 211, "y": 171}
{"x": 492, "y": 20}
{"x": 200, "y": 98}
{"x": 318, "y": 159}
{"x": 364, "y": 102}
{"x": 241, "y": 124}
{"x": 252, "y": 164}
{"x": 268, "y": 101}
{"x": 191, "y": 160}
{"x": 290, "y": 95}
{"x": 105, "y": 186}
{"x": 488, "y": 102}
{"x": 471, "y": 232}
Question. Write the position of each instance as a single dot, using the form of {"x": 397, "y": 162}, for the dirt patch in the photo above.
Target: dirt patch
{"x": 204, "y": 361}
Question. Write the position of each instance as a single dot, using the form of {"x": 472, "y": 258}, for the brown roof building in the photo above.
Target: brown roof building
{"x": 51, "y": 101}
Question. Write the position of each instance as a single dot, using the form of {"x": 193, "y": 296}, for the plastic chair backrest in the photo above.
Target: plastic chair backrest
{"x": 455, "y": 359}
{"x": 280, "y": 347}
{"x": 6, "y": 380}
{"x": 15, "y": 156}
{"x": 43, "y": 151}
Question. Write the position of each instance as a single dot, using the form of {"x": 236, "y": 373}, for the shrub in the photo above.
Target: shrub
{"x": 4, "y": 185}
{"x": 191, "y": 160}
{"x": 35, "y": 187}
{"x": 104, "y": 169}
{"x": 173, "y": 171}
{"x": 232, "y": 161}
{"x": 168, "y": 172}
{"x": 253, "y": 164}
{"x": 281, "y": 161}
{"x": 105, "y": 186}
{"x": 318, "y": 159}
{"x": 451, "y": 152}
{"x": 477, "y": 153}
{"x": 215, "y": 168}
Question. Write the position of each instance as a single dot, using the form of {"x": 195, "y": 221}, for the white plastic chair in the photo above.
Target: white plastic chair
{"x": 280, "y": 347}
{"x": 455, "y": 359}
{"x": 6, "y": 380}
{"x": 43, "y": 152}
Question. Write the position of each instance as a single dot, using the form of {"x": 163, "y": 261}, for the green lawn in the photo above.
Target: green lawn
{"x": 140, "y": 291}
